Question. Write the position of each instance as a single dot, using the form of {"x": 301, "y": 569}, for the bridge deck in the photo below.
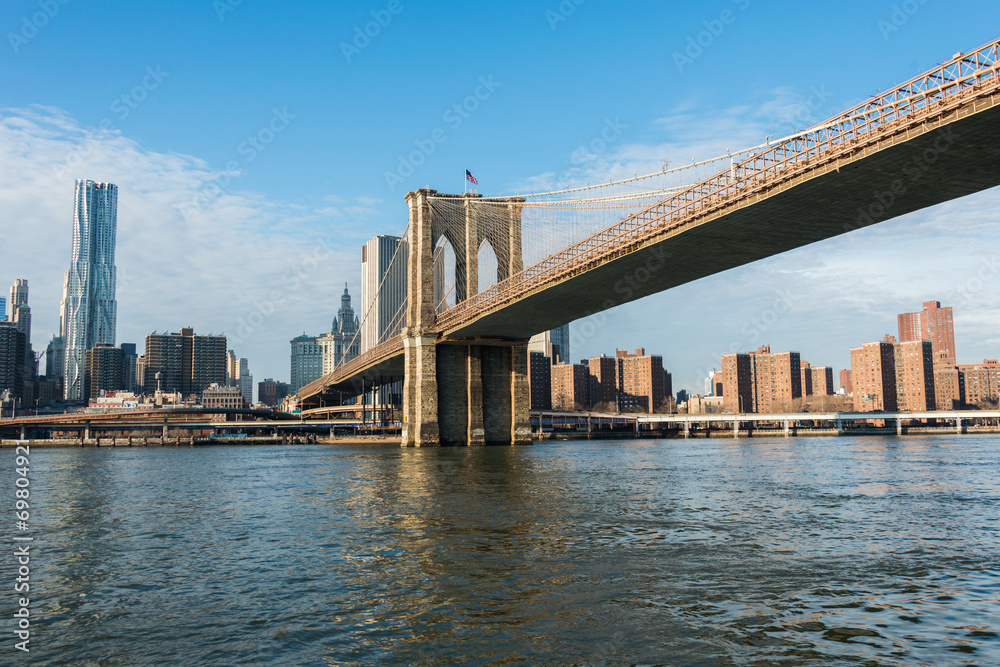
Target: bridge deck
{"x": 930, "y": 140}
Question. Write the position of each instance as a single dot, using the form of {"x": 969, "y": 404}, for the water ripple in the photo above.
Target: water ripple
{"x": 812, "y": 551}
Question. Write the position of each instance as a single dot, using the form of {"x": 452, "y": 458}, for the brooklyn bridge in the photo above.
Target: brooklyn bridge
{"x": 483, "y": 274}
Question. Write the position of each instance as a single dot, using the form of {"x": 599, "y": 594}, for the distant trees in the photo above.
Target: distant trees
{"x": 667, "y": 406}
{"x": 988, "y": 404}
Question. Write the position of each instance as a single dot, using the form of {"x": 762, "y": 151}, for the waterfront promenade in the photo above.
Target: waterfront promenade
{"x": 110, "y": 430}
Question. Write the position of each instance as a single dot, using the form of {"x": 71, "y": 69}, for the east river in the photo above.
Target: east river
{"x": 798, "y": 551}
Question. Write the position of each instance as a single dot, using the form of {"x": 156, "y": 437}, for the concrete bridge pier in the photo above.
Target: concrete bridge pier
{"x": 465, "y": 394}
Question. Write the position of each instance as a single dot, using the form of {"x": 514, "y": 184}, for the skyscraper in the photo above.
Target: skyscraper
{"x": 89, "y": 309}
{"x": 307, "y": 361}
{"x": 55, "y": 358}
{"x": 12, "y": 353}
{"x": 3, "y": 309}
{"x": 245, "y": 381}
{"x": 553, "y": 344}
{"x": 20, "y": 315}
{"x": 342, "y": 343}
{"x": 18, "y": 295}
{"x": 383, "y": 289}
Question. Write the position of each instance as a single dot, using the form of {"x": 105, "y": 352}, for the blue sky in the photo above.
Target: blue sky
{"x": 163, "y": 99}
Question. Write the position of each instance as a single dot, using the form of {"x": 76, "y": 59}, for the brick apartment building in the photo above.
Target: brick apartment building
{"x": 981, "y": 381}
{"x": 846, "y": 381}
{"x": 873, "y": 374}
{"x": 777, "y": 379}
{"x": 737, "y": 383}
{"x": 603, "y": 380}
{"x": 640, "y": 381}
{"x": 934, "y": 324}
{"x": 914, "y": 361}
{"x": 570, "y": 383}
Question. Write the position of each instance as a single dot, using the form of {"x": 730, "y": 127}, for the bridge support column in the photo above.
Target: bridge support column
{"x": 788, "y": 428}
{"x": 458, "y": 392}
{"x": 420, "y": 393}
{"x": 899, "y": 426}
{"x": 687, "y": 429}
{"x": 483, "y": 394}
{"x": 736, "y": 428}
{"x": 840, "y": 427}
{"x": 958, "y": 424}
{"x": 24, "y": 433}
{"x": 86, "y": 431}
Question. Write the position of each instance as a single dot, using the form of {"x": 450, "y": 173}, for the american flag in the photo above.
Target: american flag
{"x": 470, "y": 178}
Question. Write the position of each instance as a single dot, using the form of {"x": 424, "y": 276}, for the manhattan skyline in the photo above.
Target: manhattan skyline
{"x": 252, "y": 177}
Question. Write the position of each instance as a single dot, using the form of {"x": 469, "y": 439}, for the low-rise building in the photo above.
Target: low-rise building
{"x": 981, "y": 381}
{"x": 221, "y": 397}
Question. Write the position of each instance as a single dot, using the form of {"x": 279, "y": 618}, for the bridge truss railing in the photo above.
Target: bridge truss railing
{"x": 931, "y": 94}
{"x": 371, "y": 356}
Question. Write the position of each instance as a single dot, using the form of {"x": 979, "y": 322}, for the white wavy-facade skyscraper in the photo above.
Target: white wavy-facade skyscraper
{"x": 89, "y": 309}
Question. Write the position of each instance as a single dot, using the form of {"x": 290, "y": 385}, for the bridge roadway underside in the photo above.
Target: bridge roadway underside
{"x": 388, "y": 369}
{"x": 958, "y": 158}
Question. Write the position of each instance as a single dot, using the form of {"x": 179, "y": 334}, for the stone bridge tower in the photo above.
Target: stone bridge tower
{"x": 461, "y": 391}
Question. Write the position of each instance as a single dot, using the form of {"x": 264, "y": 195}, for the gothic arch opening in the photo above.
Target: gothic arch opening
{"x": 445, "y": 275}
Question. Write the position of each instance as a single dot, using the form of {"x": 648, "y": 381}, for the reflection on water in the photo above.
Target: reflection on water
{"x": 802, "y": 551}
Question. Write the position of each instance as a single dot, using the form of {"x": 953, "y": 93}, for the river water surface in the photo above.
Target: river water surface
{"x": 798, "y": 551}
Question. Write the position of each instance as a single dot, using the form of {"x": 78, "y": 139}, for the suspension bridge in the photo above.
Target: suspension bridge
{"x": 483, "y": 274}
